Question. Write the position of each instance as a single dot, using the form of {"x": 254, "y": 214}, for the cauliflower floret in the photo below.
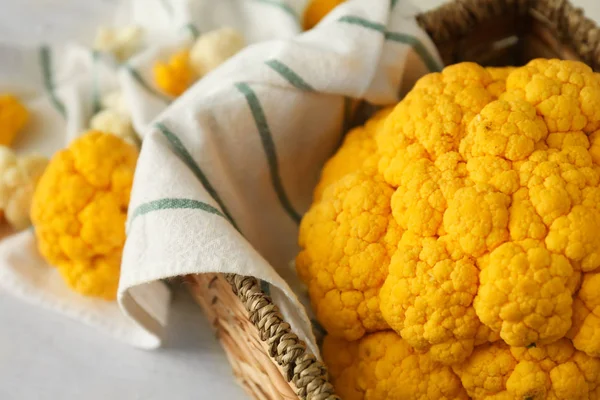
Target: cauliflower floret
{"x": 121, "y": 42}
{"x": 358, "y": 151}
{"x": 348, "y": 239}
{"x": 115, "y": 101}
{"x": 427, "y": 298}
{"x": 175, "y": 76}
{"x": 114, "y": 122}
{"x": 556, "y": 371}
{"x": 214, "y": 48}
{"x": 18, "y": 178}
{"x": 79, "y": 210}
{"x": 13, "y": 117}
{"x": 499, "y": 75}
{"x": 565, "y": 93}
{"x": 382, "y": 366}
{"x": 317, "y": 10}
{"x": 585, "y": 330}
{"x": 524, "y": 294}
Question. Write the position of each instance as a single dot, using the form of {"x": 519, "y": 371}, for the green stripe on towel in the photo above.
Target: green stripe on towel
{"x": 269, "y": 147}
{"x": 173, "y": 204}
{"x": 191, "y": 163}
{"x": 48, "y": 77}
{"x": 430, "y": 62}
{"x": 140, "y": 80}
{"x": 289, "y": 75}
{"x": 191, "y": 28}
{"x": 412, "y": 41}
{"x": 96, "y": 101}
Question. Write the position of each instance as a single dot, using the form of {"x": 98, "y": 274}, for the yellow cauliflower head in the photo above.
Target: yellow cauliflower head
{"x": 382, "y": 366}
{"x": 556, "y": 371}
{"x": 79, "y": 210}
{"x": 496, "y": 188}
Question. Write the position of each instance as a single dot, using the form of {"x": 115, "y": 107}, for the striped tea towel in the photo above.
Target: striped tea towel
{"x": 226, "y": 172}
{"x": 62, "y": 87}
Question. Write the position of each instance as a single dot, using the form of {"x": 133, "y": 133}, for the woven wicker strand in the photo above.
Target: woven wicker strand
{"x": 301, "y": 368}
{"x": 268, "y": 358}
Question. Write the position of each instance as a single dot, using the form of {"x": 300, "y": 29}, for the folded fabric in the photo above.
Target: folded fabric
{"x": 226, "y": 171}
{"x": 62, "y": 87}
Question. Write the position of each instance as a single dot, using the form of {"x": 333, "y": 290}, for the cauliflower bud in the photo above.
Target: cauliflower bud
{"x": 555, "y": 371}
{"x": 18, "y": 178}
{"x": 79, "y": 210}
{"x": 382, "y": 366}
{"x": 496, "y": 188}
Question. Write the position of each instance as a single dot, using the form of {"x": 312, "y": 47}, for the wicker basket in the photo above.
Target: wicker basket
{"x": 268, "y": 359}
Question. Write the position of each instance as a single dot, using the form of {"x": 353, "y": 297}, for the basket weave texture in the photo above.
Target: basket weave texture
{"x": 267, "y": 357}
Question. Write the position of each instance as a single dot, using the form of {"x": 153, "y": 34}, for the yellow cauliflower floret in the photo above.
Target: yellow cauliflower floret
{"x": 79, "y": 210}
{"x": 317, "y": 10}
{"x": 427, "y": 299}
{"x": 585, "y": 330}
{"x": 499, "y": 75}
{"x": 358, "y": 151}
{"x": 565, "y": 93}
{"x": 348, "y": 239}
{"x": 175, "y": 76}
{"x": 382, "y": 366}
{"x": 13, "y": 117}
{"x": 524, "y": 293}
{"x": 552, "y": 372}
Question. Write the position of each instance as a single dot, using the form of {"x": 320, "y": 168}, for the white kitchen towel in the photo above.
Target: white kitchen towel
{"x": 62, "y": 85}
{"x": 227, "y": 170}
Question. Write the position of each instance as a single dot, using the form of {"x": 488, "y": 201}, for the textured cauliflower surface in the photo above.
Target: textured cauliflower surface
{"x": 18, "y": 178}
{"x": 79, "y": 210}
{"x": 490, "y": 179}
{"x": 555, "y": 371}
{"x": 214, "y": 48}
{"x": 382, "y": 366}
{"x": 348, "y": 240}
{"x": 176, "y": 75}
{"x": 504, "y": 180}
{"x": 13, "y": 117}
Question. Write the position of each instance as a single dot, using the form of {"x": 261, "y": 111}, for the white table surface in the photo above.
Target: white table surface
{"x": 47, "y": 356}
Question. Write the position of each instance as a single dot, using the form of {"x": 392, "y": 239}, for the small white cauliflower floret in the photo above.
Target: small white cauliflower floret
{"x": 214, "y": 48}
{"x": 112, "y": 121}
{"x": 115, "y": 101}
{"x": 121, "y": 42}
{"x": 18, "y": 178}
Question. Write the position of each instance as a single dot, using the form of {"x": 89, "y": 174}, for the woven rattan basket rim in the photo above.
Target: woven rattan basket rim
{"x": 453, "y": 21}
{"x": 444, "y": 24}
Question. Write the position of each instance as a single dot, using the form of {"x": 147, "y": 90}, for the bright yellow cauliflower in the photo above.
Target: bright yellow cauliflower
{"x": 551, "y": 372}
{"x": 382, "y": 366}
{"x": 79, "y": 210}
{"x": 13, "y": 117}
{"x": 176, "y": 75}
{"x": 500, "y": 188}
{"x": 348, "y": 239}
